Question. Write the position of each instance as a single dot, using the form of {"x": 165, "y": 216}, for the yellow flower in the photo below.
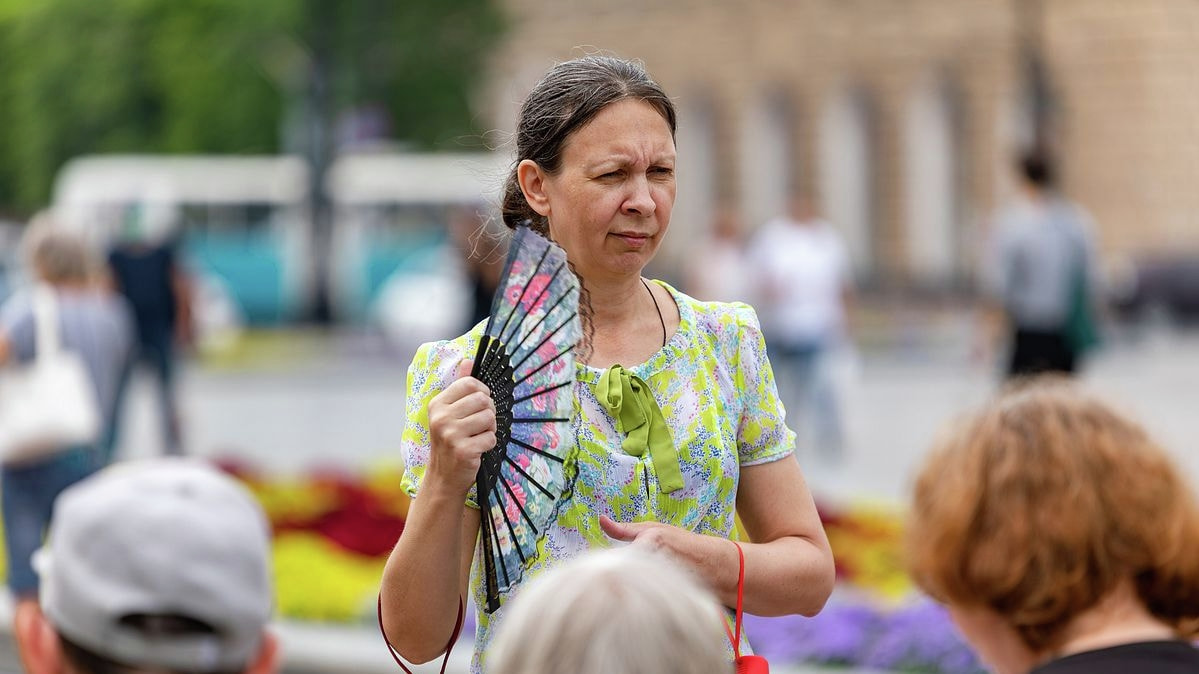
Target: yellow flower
{"x": 316, "y": 580}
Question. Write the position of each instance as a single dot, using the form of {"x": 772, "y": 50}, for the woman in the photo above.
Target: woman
{"x": 1061, "y": 538}
{"x": 96, "y": 325}
{"x": 595, "y": 172}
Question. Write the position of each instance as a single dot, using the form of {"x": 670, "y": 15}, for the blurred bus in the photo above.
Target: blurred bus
{"x": 243, "y": 226}
{"x": 240, "y": 222}
{"x": 393, "y": 261}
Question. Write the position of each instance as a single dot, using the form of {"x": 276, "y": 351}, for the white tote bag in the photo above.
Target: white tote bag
{"x": 50, "y": 403}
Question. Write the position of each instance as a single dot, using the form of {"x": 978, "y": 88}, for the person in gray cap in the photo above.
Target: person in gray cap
{"x": 156, "y": 566}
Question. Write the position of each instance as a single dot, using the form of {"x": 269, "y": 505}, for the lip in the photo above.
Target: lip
{"x": 633, "y": 239}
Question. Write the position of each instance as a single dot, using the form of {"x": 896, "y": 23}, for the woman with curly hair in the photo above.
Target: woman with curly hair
{"x": 1061, "y": 538}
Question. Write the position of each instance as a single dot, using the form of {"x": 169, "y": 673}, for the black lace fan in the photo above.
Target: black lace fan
{"x": 526, "y": 358}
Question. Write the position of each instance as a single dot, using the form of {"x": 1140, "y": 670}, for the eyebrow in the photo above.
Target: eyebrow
{"x": 621, "y": 159}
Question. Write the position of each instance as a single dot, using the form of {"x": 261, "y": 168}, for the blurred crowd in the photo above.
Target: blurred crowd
{"x": 71, "y": 341}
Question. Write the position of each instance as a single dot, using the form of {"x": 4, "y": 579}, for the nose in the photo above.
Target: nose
{"x": 640, "y": 201}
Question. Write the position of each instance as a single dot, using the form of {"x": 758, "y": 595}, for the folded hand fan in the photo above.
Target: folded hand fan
{"x": 526, "y": 359}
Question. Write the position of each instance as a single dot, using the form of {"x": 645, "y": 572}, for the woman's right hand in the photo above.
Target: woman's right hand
{"x": 461, "y": 429}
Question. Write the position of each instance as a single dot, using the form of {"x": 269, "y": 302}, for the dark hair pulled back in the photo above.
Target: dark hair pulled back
{"x": 569, "y": 96}
{"x": 1037, "y": 167}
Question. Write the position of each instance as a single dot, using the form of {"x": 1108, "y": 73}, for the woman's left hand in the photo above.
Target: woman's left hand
{"x": 712, "y": 559}
{"x": 653, "y": 535}
{"x": 788, "y": 564}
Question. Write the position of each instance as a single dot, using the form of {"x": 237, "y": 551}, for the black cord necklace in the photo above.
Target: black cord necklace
{"x": 656, "y": 308}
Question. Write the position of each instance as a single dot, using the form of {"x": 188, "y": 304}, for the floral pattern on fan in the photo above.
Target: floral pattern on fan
{"x": 526, "y": 358}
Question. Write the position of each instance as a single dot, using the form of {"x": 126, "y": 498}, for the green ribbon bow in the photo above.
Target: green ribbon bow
{"x": 638, "y": 416}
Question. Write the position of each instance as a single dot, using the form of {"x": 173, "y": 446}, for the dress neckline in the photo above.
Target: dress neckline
{"x": 663, "y": 357}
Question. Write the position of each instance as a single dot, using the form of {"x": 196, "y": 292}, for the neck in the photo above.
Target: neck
{"x": 1035, "y": 194}
{"x": 70, "y": 286}
{"x": 1119, "y": 618}
{"x": 626, "y": 327}
{"x": 610, "y": 300}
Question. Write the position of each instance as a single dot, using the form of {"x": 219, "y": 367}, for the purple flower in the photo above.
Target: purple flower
{"x": 920, "y": 636}
{"x": 837, "y": 636}
{"x": 853, "y": 632}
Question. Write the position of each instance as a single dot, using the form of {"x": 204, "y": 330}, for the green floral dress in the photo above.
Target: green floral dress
{"x": 716, "y": 391}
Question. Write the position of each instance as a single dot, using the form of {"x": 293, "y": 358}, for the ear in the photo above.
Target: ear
{"x": 37, "y": 642}
{"x": 267, "y": 659}
{"x": 532, "y": 180}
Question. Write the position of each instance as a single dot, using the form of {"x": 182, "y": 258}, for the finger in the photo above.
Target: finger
{"x": 476, "y": 446}
{"x": 464, "y": 367}
{"x": 456, "y": 430}
{"x": 472, "y": 403}
{"x": 477, "y": 424}
{"x": 460, "y": 389}
{"x": 617, "y": 530}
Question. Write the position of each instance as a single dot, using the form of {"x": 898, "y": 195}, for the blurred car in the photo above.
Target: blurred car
{"x": 1160, "y": 287}
{"x": 217, "y": 318}
{"x": 426, "y": 304}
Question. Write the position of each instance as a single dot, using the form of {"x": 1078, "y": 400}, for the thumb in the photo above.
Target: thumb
{"x": 618, "y": 530}
{"x": 464, "y": 367}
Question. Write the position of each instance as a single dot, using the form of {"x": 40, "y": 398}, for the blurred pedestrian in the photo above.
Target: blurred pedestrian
{"x": 804, "y": 282}
{"x": 145, "y": 269}
{"x": 98, "y": 327}
{"x": 617, "y": 610}
{"x": 717, "y": 270}
{"x": 157, "y": 566}
{"x": 483, "y": 247}
{"x": 1043, "y": 274}
{"x": 1061, "y": 537}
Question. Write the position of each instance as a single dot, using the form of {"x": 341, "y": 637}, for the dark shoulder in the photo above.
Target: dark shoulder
{"x": 1149, "y": 657}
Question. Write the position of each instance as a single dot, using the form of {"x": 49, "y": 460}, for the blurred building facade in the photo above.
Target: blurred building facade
{"x": 901, "y": 119}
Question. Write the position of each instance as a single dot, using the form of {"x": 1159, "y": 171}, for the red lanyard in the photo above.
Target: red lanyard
{"x": 746, "y": 664}
{"x": 396, "y": 656}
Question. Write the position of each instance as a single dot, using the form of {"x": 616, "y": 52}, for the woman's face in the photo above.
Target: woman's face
{"x": 609, "y": 204}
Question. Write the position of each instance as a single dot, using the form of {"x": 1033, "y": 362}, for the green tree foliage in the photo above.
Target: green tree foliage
{"x": 223, "y": 76}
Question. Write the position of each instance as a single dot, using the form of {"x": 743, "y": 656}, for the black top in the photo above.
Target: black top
{"x": 144, "y": 276}
{"x": 1146, "y": 657}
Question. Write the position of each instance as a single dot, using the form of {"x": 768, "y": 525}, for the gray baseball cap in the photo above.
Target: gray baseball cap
{"x": 168, "y": 536}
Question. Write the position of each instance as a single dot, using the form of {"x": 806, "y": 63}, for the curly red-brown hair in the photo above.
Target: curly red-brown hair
{"x": 1039, "y": 504}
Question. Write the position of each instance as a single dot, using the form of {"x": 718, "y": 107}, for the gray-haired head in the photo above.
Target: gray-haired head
{"x": 569, "y": 96}
{"x": 56, "y": 256}
{"x": 622, "y": 610}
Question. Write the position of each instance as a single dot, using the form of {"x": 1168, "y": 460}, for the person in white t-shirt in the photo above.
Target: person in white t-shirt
{"x": 803, "y": 278}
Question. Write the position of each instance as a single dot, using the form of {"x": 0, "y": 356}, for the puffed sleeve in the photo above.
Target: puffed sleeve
{"x": 432, "y": 370}
{"x": 762, "y": 433}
